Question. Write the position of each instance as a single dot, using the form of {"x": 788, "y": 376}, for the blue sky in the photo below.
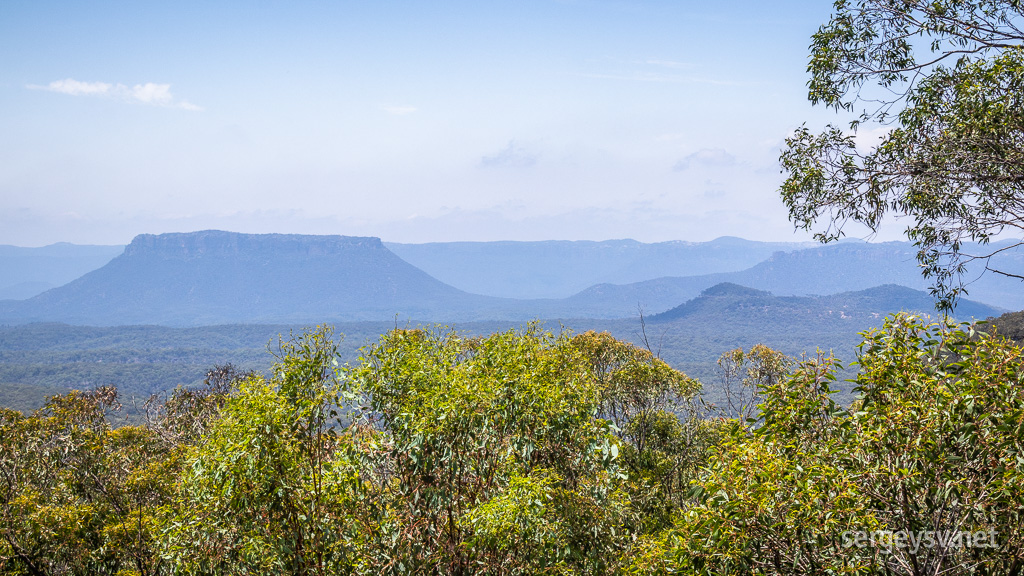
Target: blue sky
{"x": 412, "y": 121}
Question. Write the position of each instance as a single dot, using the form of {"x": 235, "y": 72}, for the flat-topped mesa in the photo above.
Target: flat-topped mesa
{"x": 206, "y": 243}
{"x": 214, "y": 277}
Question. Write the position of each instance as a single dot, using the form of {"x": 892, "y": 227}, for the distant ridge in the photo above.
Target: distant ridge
{"x": 561, "y": 268}
{"x": 828, "y": 269}
{"x": 213, "y": 277}
{"x": 863, "y": 307}
{"x": 218, "y": 243}
{"x": 216, "y": 277}
{"x": 25, "y": 272}
{"x": 597, "y": 279}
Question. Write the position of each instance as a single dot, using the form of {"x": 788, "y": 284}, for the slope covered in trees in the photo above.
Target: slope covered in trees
{"x": 1010, "y": 325}
{"x": 830, "y": 269}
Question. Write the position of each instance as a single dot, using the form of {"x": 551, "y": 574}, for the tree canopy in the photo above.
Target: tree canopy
{"x": 921, "y": 475}
{"x": 526, "y": 453}
{"x": 944, "y": 81}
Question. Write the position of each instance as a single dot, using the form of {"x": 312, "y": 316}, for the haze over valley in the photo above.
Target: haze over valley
{"x": 172, "y": 305}
{"x": 215, "y": 277}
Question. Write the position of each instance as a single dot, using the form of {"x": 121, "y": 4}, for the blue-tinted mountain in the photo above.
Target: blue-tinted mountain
{"x": 558, "y": 269}
{"x": 609, "y": 279}
{"x": 25, "y": 272}
{"x": 729, "y": 302}
{"x": 829, "y": 269}
{"x": 215, "y": 277}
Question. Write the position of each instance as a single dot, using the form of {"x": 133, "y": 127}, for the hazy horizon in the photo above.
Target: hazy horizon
{"x": 409, "y": 121}
{"x": 389, "y": 241}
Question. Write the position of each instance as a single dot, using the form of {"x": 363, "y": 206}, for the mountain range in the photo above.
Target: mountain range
{"x": 559, "y": 269}
{"x": 828, "y": 269}
{"x": 37, "y": 360}
{"x": 31, "y": 271}
{"x": 215, "y": 277}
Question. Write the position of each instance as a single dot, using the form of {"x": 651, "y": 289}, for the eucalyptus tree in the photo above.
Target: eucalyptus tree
{"x": 77, "y": 495}
{"x": 922, "y": 475}
{"x": 489, "y": 456}
{"x": 944, "y": 81}
{"x": 271, "y": 485}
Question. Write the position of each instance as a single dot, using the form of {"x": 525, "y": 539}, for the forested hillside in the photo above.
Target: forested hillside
{"x": 1010, "y": 325}
{"x": 845, "y": 267}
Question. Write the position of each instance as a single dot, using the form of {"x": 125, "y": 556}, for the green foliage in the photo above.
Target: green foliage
{"x": 184, "y": 416}
{"x": 520, "y": 522}
{"x": 744, "y": 375}
{"x": 528, "y": 453}
{"x": 952, "y": 160}
{"x": 652, "y": 409}
{"x": 933, "y": 445}
{"x": 267, "y": 490}
{"x": 77, "y": 496}
{"x": 470, "y": 429}
{"x": 436, "y": 453}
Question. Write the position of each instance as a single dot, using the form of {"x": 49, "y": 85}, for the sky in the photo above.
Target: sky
{"x": 411, "y": 121}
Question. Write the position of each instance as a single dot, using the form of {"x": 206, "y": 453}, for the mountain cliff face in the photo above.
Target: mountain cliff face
{"x": 217, "y": 243}
{"x": 215, "y": 277}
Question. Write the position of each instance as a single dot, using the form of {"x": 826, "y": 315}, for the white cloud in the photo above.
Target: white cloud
{"x": 705, "y": 157}
{"x": 149, "y": 93}
{"x": 398, "y": 110}
{"x": 152, "y": 93}
{"x": 512, "y": 155}
{"x": 76, "y": 88}
{"x": 866, "y": 139}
